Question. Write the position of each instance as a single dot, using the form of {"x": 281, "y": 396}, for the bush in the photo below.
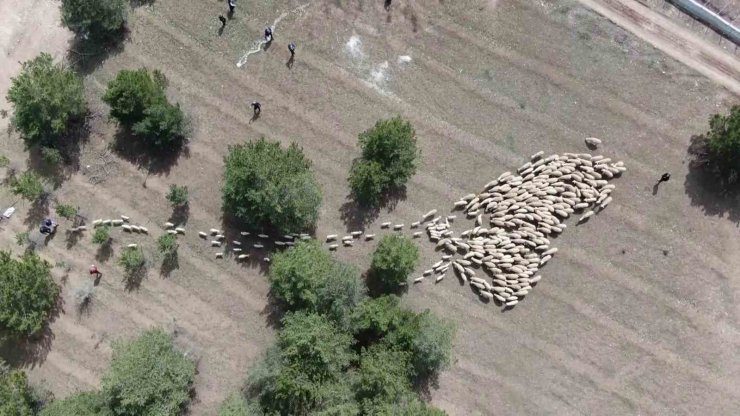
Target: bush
{"x": 46, "y": 99}
{"x": 235, "y": 405}
{"x": 723, "y": 142}
{"x": 27, "y": 293}
{"x": 98, "y": 19}
{"x": 268, "y": 186}
{"x": 22, "y": 238}
{"x": 393, "y": 260}
{"x": 4, "y": 161}
{"x": 167, "y": 244}
{"x": 431, "y": 348}
{"x": 132, "y": 260}
{"x": 306, "y": 278}
{"x": 16, "y": 396}
{"x": 137, "y": 100}
{"x": 66, "y": 211}
{"x": 78, "y": 404}
{"x": 28, "y": 185}
{"x": 388, "y": 160}
{"x": 101, "y": 235}
{"x": 148, "y": 376}
{"x": 177, "y": 195}
{"x": 51, "y": 156}
{"x": 383, "y": 376}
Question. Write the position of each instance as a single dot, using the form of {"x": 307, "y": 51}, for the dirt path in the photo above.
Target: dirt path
{"x": 677, "y": 42}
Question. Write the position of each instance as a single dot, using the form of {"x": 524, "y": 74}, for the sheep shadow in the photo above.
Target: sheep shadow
{"x": 357, "y": 216}
{"x": 706, "y": 186}
{"x": 155, "y": 161}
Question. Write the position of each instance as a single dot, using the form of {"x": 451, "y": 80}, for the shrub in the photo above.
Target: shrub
{"x": 374, "y": 318}
{"x": 46, "y": 99}
{"x": 368, "y": 182}
{"x": 266, "y": 185}
{"x": 101, "y": 235}
{"x": 51, "y": 156}
{"x": 99, "y": 19}
{"x": 27, "y": 293}
{"x": 16, "y": 396}
{"x": 78, "y": 404}
{"x": 236, "y": 405}
{"x": 132, "y": 260}
{"x": 83, "y": 295}
{"x": 723, "y": 142}
{"x": 22, "y": 238}
{"x": 432, "y": 346}
{"x": 4, "y": 161}
{"x": 383, "y": 376}
{"x": 388, "y": 160}
{"x": 66, "y": 211}
{"x": 167, "y": 244}
{"x": 177, "y": 195}
{"x": 148, "y": 376}
{"x": 28, "y": 185}
{"x": 407, "y": 406}
{"x": 394, "y": 258}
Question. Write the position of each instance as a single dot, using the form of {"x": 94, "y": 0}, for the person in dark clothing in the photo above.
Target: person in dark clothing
{"x": 223, "y": 21}
{"x": 291, "y": 48}
{"x": 664, "y": 178}
{"x": 268, "y": 34}
{"x": 48, "y": 226}
{"x": 257, "y": 108}
{"x": 232, "y": 6}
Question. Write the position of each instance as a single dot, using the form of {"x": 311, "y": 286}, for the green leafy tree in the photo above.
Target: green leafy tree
{"x": 78, "y": 404}
{"x": 383, "y": 377}
{"x": 148, "y": 376}
{"x": 177, "y": 195}
{"x": 66, "y": 211}
{"x": 27, "y": 185}
{"x": 16, "y": 396}
{"x": 301, "y": 371}
{"x": 27, "y": 293}
{"x": 163, "y": 125}
{"x": 95, "y": 18}
{"x": 51, "y": 156}
{"x": 388, "y": 160}
{"x": 431, "y": 347}
{"x": 393, "y": 260}
{"x": 236, "y": 405}
{"x": 101, "y": 236}
{"x": 132, "y": 260}
{"x": 374, "y": 318}
{"x": 342, "y": 291}
{"x": 266, "y": 185}
{"x": 407, "y": 406}
{"x": 723, "y": 142}
{"x": 167, "y": 244}
{"x": 47, "y": 98}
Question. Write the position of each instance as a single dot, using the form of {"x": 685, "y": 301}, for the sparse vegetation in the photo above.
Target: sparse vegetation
{"x": 177, "y": 195}
{"x": 47, "y": 98}
{"x": 101, "y": 236}
{"x": 388, "y": 160}
{"x": 132, "y": 260}
{"x": 266, "y": 185}
{"x": 148, "y": 376}
{"x": 78, "y": 404}
{"x": 66, "y": 211}
{"x": 83, "y": 295}
{"x": 4, "y": 161}
{"x": 138, "y": 101}
{"x": 394, "y": 258}
{"x": 22, "y": 238}
{"x": 97, "y": 19}
{"x": 52, "y": 156}
{"x": 16, "y": 396}
{"x": 27, "y": 185}
{"x": 27, "y": 293}
{"x": 168, "y": 246}
{"x": 723, "y": 143}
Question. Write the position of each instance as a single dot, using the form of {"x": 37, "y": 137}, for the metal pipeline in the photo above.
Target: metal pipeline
{"x": 710, "y": 18}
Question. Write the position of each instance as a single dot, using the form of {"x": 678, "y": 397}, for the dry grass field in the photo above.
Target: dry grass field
{"x": 639, "y": 313}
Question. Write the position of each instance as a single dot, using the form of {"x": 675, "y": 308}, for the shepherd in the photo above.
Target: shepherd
{"x": 232, "y": 6}
{"x": 665, "y": 177}
{"x": 268, "y": 34}
{"x": 291, "y": 48}
{"x": 256, "y": 107}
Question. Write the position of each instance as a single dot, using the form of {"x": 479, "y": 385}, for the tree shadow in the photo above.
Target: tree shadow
{"x": 170, "y": 263}
{"x": 706, "y": 186}
{"x": 376, "y": 288}
{"x": 273, "y": 312}
{"x": 137, "y": 151}
{"x": 31, "y": 351}
{"x": 132, "y": 280}
{"x": 72, "y": 238}
{"x": 104, "y": 253}
{"x": 85, "y": 55}
{"x": 38, "y": 211}
{"x": 69, "y": 148}
{"x": 356, "y": 216}
{"x": 180, "y": 214}
{"x": 139, "y": 3}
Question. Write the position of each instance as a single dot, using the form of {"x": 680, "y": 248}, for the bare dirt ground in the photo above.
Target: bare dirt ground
{"x": 637, "y": 314}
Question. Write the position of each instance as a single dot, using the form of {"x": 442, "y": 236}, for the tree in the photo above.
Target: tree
{"x": 148, "y": 376}
{"x": 27, "y": 293}
{"x": 374, "y": 318}
{"x": 266, "y": 185}
{"x": 138, "y": 101}
{"x": 431, "y": 348}
{"x": 132, "y": 260}
{"x": 51, "y": 156}
{"x": 236, "y": 405}
{"x": 66, "y": 211}
{"x": 47, "y": 98}
{"x": 393, "y": 260}
{"x": 16, "y": 396}
{"x": 407, "y": 406}
{"x": 101, "y": 236}
{"x": 723, "y": 143}
{"x": 98, "y": 19}
{"x": 27, "y": 185}
{"x": 306, "y": 278}
{"x": 177, "y": 195}
{"x": 78, "y": 404}
{"x": 388, "y": 160}
{"x": 383, "y": 376}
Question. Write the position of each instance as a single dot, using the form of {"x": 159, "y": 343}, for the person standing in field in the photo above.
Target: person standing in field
{"x": 291, "y": 48}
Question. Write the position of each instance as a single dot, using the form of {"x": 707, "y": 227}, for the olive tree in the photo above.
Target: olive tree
{"x": 723, "y": 143}
{"x": 393, "y": 260}
{"x": 27, "y": 293}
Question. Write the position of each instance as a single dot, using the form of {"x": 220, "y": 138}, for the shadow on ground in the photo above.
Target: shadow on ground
{"x": 29, "y": 352}
{"x": 136, "y": 151}
{"x": 356, "y": 216}
{"x": 180, "y": 215}
{"x": 86, "y": 55}
{"x": 706, "y": 187}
